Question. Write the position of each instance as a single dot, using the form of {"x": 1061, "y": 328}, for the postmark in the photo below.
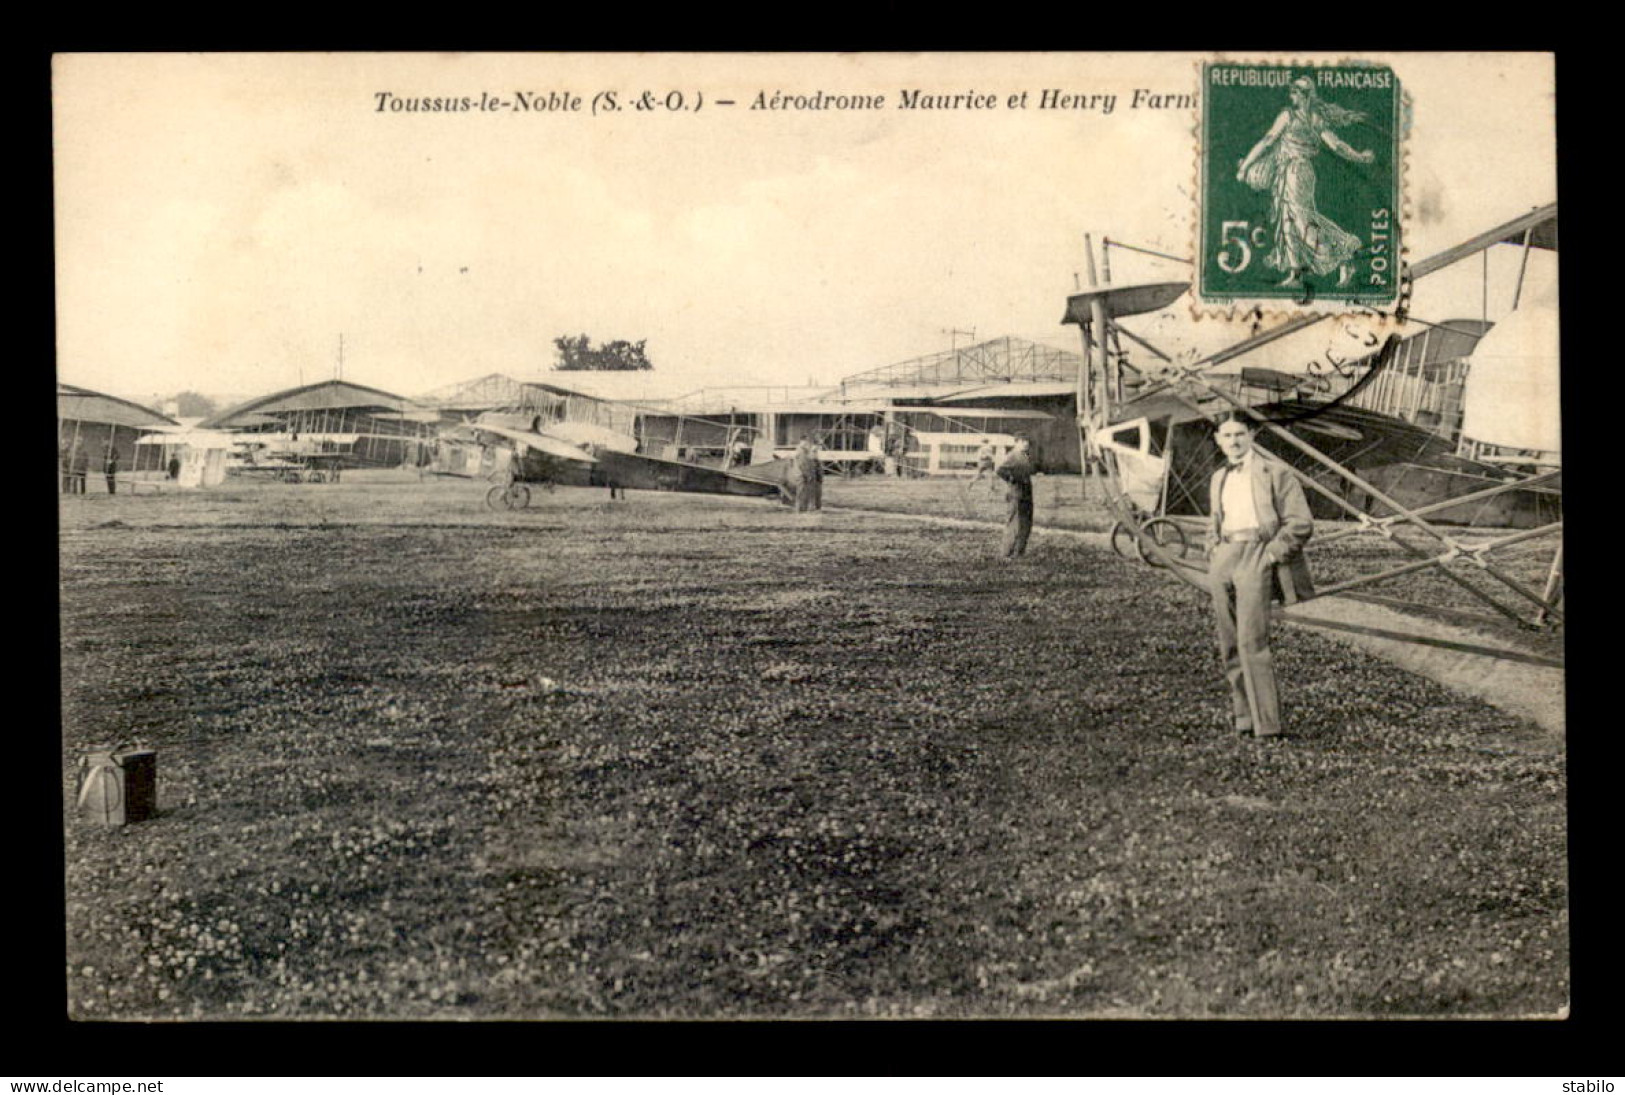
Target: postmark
{"x": 1299, "y": 195}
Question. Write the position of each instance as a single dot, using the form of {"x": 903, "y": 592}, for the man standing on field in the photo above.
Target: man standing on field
{"x": 808, "y": 476}
{"x": 984, "y": 465}
{"x": 1261, "y": 521}
{"x": 1017, "y": 473}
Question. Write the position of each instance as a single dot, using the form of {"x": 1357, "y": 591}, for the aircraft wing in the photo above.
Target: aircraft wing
{"x": 775, "y": 471}
{"x": 583, "y": 433}
{"x": 548, "y": 446}
{"x": 1124, "y": 300}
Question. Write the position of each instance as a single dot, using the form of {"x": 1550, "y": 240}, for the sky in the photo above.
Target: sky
{"x": 223, "y": 219}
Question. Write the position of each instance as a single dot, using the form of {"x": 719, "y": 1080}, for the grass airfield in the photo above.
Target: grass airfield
{"x": 680, "y": 756}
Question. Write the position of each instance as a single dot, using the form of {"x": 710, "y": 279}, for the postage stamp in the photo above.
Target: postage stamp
{"x": 1300, "y": 202}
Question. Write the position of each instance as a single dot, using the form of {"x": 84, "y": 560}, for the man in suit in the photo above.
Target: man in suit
{"x": 1261, "y": 521}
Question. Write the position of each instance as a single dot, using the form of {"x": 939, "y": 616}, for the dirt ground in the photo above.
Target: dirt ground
{"x": 1422, "y": 622}
{"x": 682, "y": 756}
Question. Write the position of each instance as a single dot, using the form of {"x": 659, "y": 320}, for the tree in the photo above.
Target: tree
{"x": 620, "y": 355}
{"x": 194, "y": 405}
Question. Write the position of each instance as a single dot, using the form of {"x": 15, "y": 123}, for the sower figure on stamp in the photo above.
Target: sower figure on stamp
{"x": 1282, "y": 162}
{"x": 1017, "y": 472}
{"x": 1261, "y": 520}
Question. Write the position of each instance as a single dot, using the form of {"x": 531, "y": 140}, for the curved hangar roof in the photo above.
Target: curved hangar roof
{"x": 328, "y": 395}
{"x": 84, "y": 405}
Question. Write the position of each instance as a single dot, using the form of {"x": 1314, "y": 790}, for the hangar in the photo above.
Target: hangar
{"x": 364, "y": 426}
{"x": 90, "y": 428}
{"x": 1033, "y": 384}
{"x": 937, "y": 409}
{"x": 940, "y": 406}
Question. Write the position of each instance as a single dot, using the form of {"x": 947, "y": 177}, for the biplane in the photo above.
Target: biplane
{"x": 316, "y": 432}
{"x": 561, "y": 437}
{"x": 288, "y": 458}
{"x": 1405, "y": 488}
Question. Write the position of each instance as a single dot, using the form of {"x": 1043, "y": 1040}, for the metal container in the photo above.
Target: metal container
{"x": 118, "y": 788}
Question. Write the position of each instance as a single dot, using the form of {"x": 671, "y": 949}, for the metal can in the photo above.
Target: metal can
{"x": 118, "y": 788}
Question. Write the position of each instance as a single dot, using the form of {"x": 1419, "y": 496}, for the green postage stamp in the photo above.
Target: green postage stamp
{"x": 1300, "y": 195}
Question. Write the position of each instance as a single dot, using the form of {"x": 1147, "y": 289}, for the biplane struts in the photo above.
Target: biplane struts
{"x": 1382, "y": 479}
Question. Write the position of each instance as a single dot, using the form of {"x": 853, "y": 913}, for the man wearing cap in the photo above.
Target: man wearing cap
{"x": 1017, "y": 472}
{"x": 1261, "y": 521}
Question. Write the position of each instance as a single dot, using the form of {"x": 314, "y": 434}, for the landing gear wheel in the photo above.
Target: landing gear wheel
{"x": 508, "y": 496}
{"x": 1167, "y": 535}
{"x": 1124, "y": 542}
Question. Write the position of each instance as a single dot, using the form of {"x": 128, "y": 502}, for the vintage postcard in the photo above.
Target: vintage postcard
{"x": 800, "y": 536}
